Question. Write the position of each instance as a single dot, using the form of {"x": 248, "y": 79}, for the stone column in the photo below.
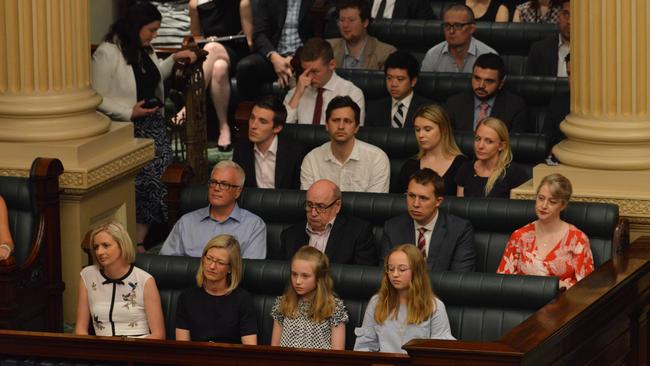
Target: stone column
{"x": 607, "y": 151}
{"x": 47, "y": 108}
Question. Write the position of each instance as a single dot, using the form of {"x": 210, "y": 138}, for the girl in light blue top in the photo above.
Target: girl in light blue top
{"x": 405, "y": 307}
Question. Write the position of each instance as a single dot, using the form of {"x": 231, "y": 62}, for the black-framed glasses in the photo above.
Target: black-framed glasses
{"x": 222, "y": 185}
{"x": 319, "y": 207}
{"x": 455, "y": 26}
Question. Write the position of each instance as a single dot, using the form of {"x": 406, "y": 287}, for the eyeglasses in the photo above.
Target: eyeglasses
{"x": 222, "y": 185}
{"x": 455, "y": 26}
{"x": 209, "y": 260}
{"x": 320, "y": 207}
{"x": 399, "y": 269}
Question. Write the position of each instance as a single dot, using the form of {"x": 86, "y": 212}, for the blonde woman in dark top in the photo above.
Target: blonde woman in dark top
{"x": 438, "y": 149}
{"x": 492, "y": 173}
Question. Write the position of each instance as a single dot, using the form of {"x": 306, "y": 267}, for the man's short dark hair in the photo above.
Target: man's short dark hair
{"x": 342, "y": 102}
{"x": 491, "y": 61}
{"x": 428, "y": 176}
{"x": 362, "y": 5}
{"x": 316, "y": 48}
{"x": 461, "y": 7}
{"x": 272, "y": 103}
{"x": 403, "y": 60}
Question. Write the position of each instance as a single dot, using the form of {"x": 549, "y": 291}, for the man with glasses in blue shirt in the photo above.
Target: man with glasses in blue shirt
{"x": 222, "y": 216}
{"x": 459, "y": 50}
{"x": 343, "y": 238}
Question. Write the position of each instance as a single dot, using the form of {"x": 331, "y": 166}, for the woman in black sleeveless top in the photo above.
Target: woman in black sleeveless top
{"x": 488, "y": 10}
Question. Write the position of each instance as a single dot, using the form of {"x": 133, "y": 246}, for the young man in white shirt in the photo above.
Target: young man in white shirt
{"x": 317, "y": 85}
{"x": 351, "y": 164}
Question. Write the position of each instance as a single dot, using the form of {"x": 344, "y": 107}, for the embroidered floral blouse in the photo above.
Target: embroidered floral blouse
{"x": 117, "y": 306}
{"x": 570, "y": 259}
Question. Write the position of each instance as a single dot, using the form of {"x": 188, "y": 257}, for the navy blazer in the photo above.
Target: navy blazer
{"x": 378, "y": 112}
{"x": 452, "y": 241}
{"x": 268, "y": 21}
{"x": 287, "y": 162}
{"x": 350, "y": 241}
{"x": 542, "y": 58}
{"x": 508, "y": 107}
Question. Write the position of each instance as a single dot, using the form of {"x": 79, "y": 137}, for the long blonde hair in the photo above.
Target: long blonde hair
{"x": 421, "y": 299}
{"x": 231, "y": 245}
{"x": 322, "y": 305}
{"x": 505, "y": 155}
{"x": 436, "y": 114}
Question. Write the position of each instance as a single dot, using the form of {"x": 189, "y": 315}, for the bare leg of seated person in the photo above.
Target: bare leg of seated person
{"x": 216, "y": 69}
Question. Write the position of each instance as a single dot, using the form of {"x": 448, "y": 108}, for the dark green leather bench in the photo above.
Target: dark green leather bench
{"x": 493, "y": 219}
{"x": 481, "y": 306}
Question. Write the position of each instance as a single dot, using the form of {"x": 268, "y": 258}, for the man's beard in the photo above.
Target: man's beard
{"x": 486, "y": 97}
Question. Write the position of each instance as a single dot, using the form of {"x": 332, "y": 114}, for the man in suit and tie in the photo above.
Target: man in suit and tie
{"x": 345, "y": 239}
{"x": 268, "y": 159}
{"x": 546, "y": 56}
{"x": 487, "y": 98}
{"x": 279, "y": 28}
{"x": 401, "y": 70}
{"x": 402, "y": 9}
{"x": 446, "y": 241}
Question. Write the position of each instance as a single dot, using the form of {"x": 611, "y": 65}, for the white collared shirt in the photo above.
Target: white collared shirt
{"x": 427, "y": 234}
{"x": 407, "y": 103}
{"x": 319, "y": 240}
{"x": 367, "y": 169}
{"x": 388, "y": 10}
{"x": 334, "y": 87}
{"x": 563, "y": 49}
{"x": 265, "y": 165}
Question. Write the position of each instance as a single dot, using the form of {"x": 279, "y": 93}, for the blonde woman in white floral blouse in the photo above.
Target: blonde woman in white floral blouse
{"x": 119, "y": 298}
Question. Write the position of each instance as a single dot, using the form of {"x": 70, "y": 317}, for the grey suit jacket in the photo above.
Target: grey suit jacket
{"x": 373, "y": 57}
{"x": 452, "y": 241}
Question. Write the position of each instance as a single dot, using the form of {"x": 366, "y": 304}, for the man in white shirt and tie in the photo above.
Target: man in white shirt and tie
{"x": 446, "y": 241}
{"x": 402, "y": 9}
{"x": 317, "y": 85}
{"x": 397, "y": 110}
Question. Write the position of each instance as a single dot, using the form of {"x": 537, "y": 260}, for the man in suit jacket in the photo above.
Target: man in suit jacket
{"x": 398, "y": 110}
{"x": 402, "y": 9}
{"x": 269, "y": 160}
{"x": 446, "y": 241}
{"x": 487, "y": 99}
{"x": 546, "y": 56}
{"x": 356, "y": 49}
{"x": 345, "y": 239}
{"x": 278, "y": 30}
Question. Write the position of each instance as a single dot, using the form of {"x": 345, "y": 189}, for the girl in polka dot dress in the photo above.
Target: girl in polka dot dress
{"x": 309, "y": 315}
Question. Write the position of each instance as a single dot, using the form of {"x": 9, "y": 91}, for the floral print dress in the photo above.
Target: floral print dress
{"x": 570, "y": 259}
{"x": 117, "y": 305}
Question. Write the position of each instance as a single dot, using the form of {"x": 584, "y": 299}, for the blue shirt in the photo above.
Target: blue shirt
{"x": 438, "y": 58}
{"x": 196, "y": 228}
{"x": 290, "y": 38}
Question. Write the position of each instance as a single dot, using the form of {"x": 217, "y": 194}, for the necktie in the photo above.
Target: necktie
{"x": 318, "y": 108}
{"x": 380, "y": 12}
{"x": 422, "y": 241}
{"x": 398, "y": 117}
{"x": 483, "y": 112}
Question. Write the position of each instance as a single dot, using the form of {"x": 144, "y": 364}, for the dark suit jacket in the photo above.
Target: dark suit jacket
{"x": 452, "y": 241}
{"x": 287, "y": 163}
{"x": 412, "y": 9}
{"x": 558, "y": 109}
{"x": 350, "y": 241}
{"x": 268, "y": 20}
{"x": 542, "y": 58}
{"x": 508, "y": 107}
{"x": 378, "y": 111}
